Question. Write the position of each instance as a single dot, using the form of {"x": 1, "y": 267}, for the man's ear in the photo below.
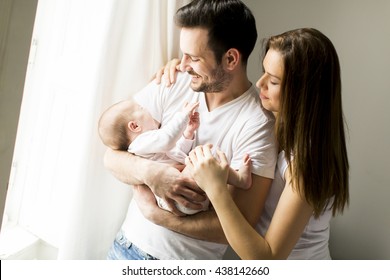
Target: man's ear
{"x": 232, "y": 58}
{"x": 133, "y": 126}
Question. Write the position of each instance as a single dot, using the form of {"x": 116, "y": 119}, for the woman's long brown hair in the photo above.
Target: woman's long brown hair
{"x": 310, "y": 122}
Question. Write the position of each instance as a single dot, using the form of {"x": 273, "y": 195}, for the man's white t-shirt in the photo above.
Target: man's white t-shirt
{"x": 239, "y": 127}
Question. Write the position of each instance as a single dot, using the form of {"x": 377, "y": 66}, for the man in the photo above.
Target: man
{"x": 216, "y": 39}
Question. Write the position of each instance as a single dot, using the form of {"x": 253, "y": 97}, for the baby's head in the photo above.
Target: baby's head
{"x": 122, "y": 122}
{"x": 113, "y": 129}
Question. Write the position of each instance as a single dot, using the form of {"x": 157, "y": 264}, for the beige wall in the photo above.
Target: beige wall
{"x": 16, "y": 25}
{"x": 360, "y": 31}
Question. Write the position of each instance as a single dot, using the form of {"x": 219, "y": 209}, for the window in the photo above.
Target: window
{"x": 56, "y": 116}
{"x": 83, "y": 58}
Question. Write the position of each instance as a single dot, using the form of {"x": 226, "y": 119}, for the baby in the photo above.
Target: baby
{"x": 127, "y": 126}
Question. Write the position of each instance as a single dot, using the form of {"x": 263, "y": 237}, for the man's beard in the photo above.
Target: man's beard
{"x": 220, "y": 81}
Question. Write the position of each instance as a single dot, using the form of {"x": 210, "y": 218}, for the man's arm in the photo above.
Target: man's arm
{"x": 205, "y": 225}
{"x": 164, "y": 180}
{"x": 130, "y": 169}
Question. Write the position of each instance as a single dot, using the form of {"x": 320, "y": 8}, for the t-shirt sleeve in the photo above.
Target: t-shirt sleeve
{"x": 259, "y": 143}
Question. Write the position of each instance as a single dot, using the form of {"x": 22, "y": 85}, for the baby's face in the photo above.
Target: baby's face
{"x": 145, "y": 119}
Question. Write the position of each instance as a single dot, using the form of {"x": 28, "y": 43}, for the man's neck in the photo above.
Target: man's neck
{"x": 234, "y": 90}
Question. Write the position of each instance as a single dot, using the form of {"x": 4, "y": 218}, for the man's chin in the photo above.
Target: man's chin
{"x": 195, "y": 86}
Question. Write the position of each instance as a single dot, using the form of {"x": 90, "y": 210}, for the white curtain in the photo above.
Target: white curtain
{"x": 86, "y": 55}
{"x": 140, "y": 36}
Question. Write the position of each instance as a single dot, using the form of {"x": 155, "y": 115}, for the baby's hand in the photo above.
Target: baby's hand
{"x": 189, "y": 109}
{"x": 192, "y": 126}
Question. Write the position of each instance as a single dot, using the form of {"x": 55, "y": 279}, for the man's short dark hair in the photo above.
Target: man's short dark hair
{"x": 230, "y": 24}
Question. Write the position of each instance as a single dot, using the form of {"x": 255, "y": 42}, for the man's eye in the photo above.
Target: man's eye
{"x": 194, "y": 59}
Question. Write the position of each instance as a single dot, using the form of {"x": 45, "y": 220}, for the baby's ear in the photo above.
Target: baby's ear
{"x": 133, "y": 126}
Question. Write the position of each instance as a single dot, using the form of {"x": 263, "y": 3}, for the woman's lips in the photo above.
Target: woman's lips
{"x": 262, "y": 96}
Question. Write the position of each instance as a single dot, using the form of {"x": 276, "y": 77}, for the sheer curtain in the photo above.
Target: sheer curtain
{"x": 140, "y": 37}
{"x": 86, "y": 55}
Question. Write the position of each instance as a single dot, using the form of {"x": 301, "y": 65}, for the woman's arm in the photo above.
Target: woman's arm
{"x": 287, "y": 225}
{"x": 288, "y": 222}
{"x": 205, "y": 225}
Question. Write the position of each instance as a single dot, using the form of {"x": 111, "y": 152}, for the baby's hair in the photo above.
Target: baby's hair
{"x": 113, "y": 125}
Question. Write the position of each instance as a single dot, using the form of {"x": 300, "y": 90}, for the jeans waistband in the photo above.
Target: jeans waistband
{"x": 124, "y": 242}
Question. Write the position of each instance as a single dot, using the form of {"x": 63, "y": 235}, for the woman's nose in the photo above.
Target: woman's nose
{"x": 260, "y": 82}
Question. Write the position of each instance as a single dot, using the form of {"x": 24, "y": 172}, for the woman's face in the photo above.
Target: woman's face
{"x": 270, "y": 83}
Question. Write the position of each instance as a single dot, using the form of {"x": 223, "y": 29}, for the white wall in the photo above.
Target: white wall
{"x": 16, "y": 25}
{"x": 360, "y": 31}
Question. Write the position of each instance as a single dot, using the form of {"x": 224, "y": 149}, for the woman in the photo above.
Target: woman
{"x": 301, "y": 85}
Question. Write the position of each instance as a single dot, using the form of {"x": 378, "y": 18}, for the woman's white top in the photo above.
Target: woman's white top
{"x": 313, "y": 243}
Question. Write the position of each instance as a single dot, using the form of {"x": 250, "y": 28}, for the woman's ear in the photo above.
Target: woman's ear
{"x": 232, "y": 58}
{"x": 133, "y": 126}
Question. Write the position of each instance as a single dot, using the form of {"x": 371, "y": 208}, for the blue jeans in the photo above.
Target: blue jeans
{"x": 123, "y": 249}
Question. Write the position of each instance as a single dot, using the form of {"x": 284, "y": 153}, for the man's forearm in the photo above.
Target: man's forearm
{"x": 206, "y": 226}
{"x": 203, "y": 225}
{"x": 128, "y": 168}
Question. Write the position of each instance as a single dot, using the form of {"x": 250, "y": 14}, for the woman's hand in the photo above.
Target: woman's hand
{"x": 168, "y": 72}
{"x": 210, "y": 173}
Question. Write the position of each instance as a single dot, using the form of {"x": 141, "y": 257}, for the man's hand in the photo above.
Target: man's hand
{"x": 164, "y": 180}
{"x": 174, "y": 186}
{"x": 145, "y": 200}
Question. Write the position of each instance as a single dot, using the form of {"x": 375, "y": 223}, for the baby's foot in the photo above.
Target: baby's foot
{"x": 245, "y": 173}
